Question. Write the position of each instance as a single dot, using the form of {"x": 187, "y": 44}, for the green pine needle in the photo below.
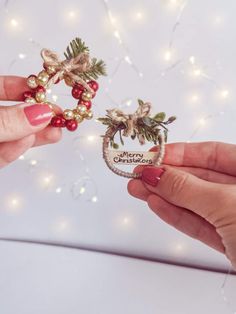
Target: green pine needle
{"x": 76, "y": 47}
{"x": 98, "y": 67}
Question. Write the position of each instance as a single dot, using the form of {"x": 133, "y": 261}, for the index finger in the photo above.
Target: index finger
{"x": 12, "y": 87}
{"x": 216, "y": 156}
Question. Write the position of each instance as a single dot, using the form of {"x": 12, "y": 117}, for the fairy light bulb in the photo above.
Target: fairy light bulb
{"x": 46, "y": 181}
{"x": 197, "y": 72}
{"x": 126, "y": 220}
{"x": 179, "y": 248}
{"x": 22, "y": 157}
{"x": 94, "y": 199}
{"x": 173, "y": 4}
{"x": 91, "y": 138}
{"x": 14, "y": 23}
{"x": 54, "y": 98}
{"x": 139, "y": 15}
{"x": 128, "y": 60}
{"x": 202, "y": 121}
{"x": 167, "y": 55}
{"x": 14, "y": 203}
{"x": 33, "y": 162}
{"x": 62, "y": 225}
{"x": 117, "y": 35}
{"x": 58, "y": 190}
{"x": 195, "y": 98}
{"x": 129, "y": 102}
{"x": 224, "y": 93}
{"x": 82, "y": 190}
{"x": 192, "y": 60}
{"x": 71, "y": 14}
{"x": 21, "y": 56}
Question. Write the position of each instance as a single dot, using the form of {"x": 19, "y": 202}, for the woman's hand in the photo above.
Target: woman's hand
{"x": 195, "y": 192}
{"x": 23, "y": 125}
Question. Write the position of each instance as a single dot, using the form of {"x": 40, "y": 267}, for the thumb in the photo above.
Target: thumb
{"x": 185, "y": 190}
{"x": 21, "y": 120}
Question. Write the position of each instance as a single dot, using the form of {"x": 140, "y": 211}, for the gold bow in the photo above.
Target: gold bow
{"x": 130, "y": 120}
{"x": 71, "y": 68}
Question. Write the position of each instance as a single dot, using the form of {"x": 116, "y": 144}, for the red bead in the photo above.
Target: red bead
{"x": 77, "y": 91}
{"x": 28, "y": 94}
{"x": 40, "y": 89}
{"x": 88, "y": 104}
{"x": 94, "y": 85}
{"x": 58, "y": 122}
{"x": 71, "y": 125}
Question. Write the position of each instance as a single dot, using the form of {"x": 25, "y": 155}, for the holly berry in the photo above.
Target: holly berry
{"x": 88, "y": 104}
{"x": 71, "y": 125}
{"x": 94, "y": 85}
{"x": 28, "y": 94}
{"x": 77, "y": 91}
{"x": 58, "y": 121}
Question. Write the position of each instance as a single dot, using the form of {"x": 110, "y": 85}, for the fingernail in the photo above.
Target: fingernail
{"x": 152, "y": 176}
{"x": 38, "y": 114}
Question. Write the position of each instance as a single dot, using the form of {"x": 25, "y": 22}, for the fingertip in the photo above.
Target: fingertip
{"x": 137, "y": 189}
{"x": 131, "y": 186}
{"x": 53, "y": 135}
{"x": 138, "y": 169}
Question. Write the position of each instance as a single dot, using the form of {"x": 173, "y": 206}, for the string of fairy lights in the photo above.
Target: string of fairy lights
{"x": 78, "y": 188}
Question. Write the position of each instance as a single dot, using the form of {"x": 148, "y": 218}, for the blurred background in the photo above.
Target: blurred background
{"x": 75, "y": 241}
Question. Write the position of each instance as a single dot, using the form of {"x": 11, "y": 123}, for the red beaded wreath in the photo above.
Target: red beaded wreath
{"x": 79, "y": 72}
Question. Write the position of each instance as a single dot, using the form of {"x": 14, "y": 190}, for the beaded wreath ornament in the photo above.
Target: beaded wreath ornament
{"x": 78, "y": 71}
{"x": 139, "y": 125}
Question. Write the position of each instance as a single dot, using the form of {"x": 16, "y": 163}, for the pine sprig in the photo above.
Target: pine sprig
{"x": 75, "y": 47}
{"x": 97, "y": 68}
{"x": 147, "y": 127}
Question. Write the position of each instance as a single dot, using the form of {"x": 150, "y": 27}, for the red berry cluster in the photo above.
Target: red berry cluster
{"x": 71, "y": 118}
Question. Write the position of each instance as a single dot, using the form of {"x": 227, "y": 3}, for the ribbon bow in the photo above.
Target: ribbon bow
{"x": 130, "y": 120}
{"x": 71, "y": 68}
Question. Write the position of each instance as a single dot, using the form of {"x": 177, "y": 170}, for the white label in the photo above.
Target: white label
{"x": 132, "y": 158}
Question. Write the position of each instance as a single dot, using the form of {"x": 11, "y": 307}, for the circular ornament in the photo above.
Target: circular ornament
{"x": 141, "y": 126}
{"x": 78, "y": 71}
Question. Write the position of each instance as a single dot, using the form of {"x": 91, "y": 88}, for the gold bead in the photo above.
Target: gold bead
{"x": 40, "y": 96}
{"x": 43, "y": 78}
{"x": 30, "y": 100}
{"x": 87, "y": 96}
{"x": 89, "y": 115}
{"x": 82, "y": 110}
{"x": 51, "y": 70}
{"x": 68, "y": 114}
{"x": 69, "y": 81}
{"x": 78, "y": 118}
{"x": 32, "y": 81}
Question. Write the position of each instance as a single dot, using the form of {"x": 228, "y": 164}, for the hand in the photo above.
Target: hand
{"x": 195, "y": 192}
{"x": 24, "y": 125}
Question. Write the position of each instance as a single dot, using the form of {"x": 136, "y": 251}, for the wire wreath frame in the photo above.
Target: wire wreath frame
{"x": 157, "y": 161}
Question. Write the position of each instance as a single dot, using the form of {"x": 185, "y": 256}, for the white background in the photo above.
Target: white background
{"x": 180, "y": 56}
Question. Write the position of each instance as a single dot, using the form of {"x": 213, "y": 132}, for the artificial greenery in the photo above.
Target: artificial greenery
{"x": 146, "y": 128}
{"x": 97, "y": 68}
